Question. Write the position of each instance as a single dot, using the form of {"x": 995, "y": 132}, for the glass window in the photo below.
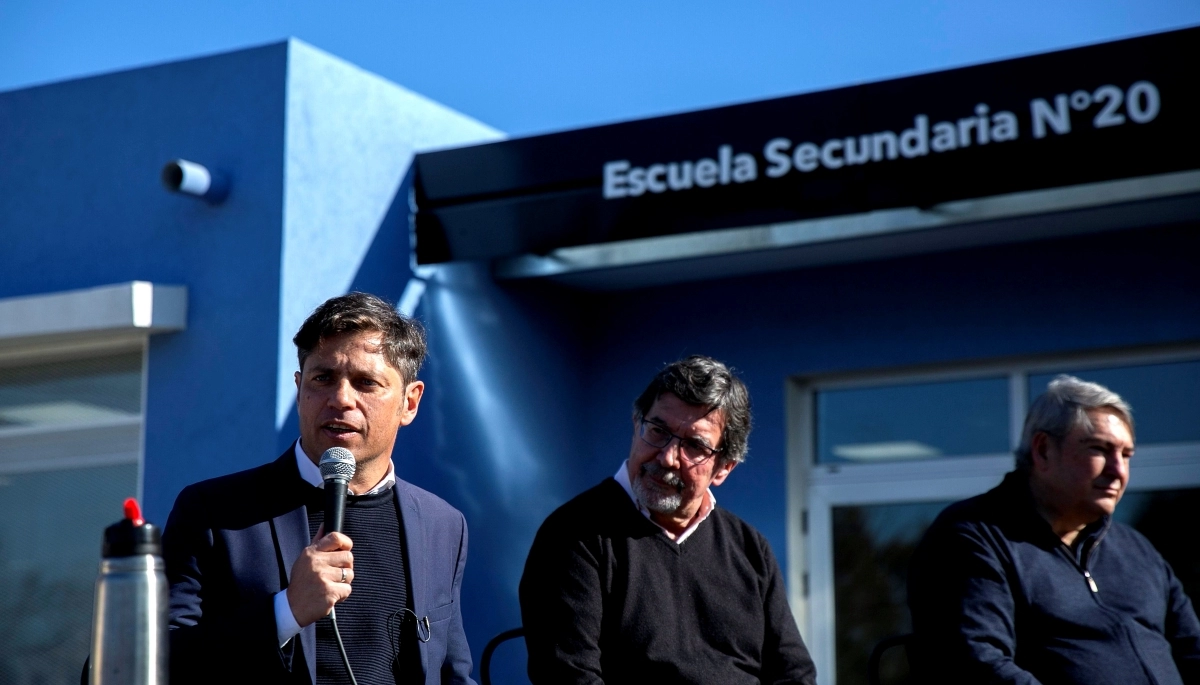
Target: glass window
{"x": 871, "y": 549}
{"x": 913, "y": 421}
{"x": 103, "y": 390}
{"x": 1166, "y": 406}
{"x": 69, "y": 436}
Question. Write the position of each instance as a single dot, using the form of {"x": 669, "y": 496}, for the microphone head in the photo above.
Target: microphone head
{"x": 337, "y": 464}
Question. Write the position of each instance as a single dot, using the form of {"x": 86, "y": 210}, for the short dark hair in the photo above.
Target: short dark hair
{"x": 705, "y": 382}
{"x": 403, "y": 340}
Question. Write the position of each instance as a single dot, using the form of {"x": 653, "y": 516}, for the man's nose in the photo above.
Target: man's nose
{"x": 342, "y": 395}
{"x": 668, "y": 455}
{"x": 1116, "y": 465}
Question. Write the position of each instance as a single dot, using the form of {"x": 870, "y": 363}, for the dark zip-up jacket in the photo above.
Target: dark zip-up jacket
{"x": 996, "y": 597}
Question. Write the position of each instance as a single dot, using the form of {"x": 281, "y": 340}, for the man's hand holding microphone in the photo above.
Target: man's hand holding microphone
{"x": 323, "y": 572}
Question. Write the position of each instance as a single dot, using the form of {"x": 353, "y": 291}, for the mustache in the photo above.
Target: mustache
{"x": 669, "y": 476}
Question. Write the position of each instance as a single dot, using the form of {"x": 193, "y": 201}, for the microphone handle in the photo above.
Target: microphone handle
{"x": 335, "y": 504}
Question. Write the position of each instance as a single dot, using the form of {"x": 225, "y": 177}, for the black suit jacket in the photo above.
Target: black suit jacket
{"x": 229, "y": 547}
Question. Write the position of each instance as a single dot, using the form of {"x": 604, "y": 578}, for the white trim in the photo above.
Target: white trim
{"x": 105, "y": 312}
{"x": 799, "y": 411}
{"x": 821, "y": 639}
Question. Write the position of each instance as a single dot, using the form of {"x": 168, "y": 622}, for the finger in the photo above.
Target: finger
{"x": 336, "y": 591}
{"x": 334, "y": 542}
{"x": 336, "y": 575}
{"x": 320, "y": 534}
{"x": 336, "y": 560}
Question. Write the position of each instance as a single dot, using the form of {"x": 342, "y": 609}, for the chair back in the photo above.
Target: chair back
{"x": 874, "y": 677}
{"x": 485, "y": 662}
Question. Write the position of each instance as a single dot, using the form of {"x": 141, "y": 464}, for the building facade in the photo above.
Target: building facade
{"x": 895, "y": 269}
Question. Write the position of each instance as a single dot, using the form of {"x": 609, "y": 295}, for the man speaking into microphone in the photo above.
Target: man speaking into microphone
{"x": 255, "y": 578}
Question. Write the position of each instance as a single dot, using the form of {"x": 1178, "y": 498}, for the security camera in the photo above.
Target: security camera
{"x": 190, "y": 178}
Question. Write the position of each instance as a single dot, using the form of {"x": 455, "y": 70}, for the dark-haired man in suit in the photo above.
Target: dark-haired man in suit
{"x": 252, "y": 576}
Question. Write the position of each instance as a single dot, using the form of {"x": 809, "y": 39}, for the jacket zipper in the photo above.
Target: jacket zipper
{"x": 1096, "y": 546}
{"x": 1087, "y": 575}
{"x": 1083, "y": 568}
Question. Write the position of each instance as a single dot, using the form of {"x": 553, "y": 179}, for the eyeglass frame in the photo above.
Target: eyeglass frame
{"x": 711, "y": 451}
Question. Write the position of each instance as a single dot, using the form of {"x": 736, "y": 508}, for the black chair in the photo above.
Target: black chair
{"x": 873, "y": 676}
{"x": 485, "y": 662}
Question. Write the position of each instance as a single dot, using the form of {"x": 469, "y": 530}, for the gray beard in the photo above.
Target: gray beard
{"x": 653, "y": 499}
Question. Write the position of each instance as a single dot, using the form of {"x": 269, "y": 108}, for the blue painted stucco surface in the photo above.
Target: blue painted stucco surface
{"x": 81, "y": 205}
{"x": 529, "y": 384}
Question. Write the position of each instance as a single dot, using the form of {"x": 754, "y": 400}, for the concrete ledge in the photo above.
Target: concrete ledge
{"x": 111, "y": 311}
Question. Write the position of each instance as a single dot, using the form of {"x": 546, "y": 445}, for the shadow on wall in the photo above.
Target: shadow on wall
{"x": 384, "y": 272}
{"x": 498, "y": 423}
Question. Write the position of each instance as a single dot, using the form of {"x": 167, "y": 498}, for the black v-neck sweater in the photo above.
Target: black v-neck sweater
{"x": 606, "y": 597}
{"x": 371, "y": 618}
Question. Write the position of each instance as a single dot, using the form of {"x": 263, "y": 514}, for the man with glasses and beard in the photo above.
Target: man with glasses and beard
{"x": 642, "y": 578}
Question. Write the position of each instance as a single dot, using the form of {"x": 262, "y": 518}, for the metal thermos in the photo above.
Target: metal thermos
{"x": 129, "y": 625}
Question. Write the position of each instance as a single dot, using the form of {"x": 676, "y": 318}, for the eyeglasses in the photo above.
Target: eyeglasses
{"x": 692, "y": 450}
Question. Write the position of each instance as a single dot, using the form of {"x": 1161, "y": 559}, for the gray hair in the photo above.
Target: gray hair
{"x": 705, "y": 382}
{"x": 1062, "y": 408}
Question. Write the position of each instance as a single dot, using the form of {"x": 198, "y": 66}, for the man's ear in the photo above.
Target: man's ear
{"x": 1039, "y": 450}
{"x": 412, "y": 401}
{"x": 297, "y": 382}
{"x": 722, "y": 472}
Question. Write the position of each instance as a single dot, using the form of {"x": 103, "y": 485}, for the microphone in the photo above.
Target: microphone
{"x": 337, "y": 468}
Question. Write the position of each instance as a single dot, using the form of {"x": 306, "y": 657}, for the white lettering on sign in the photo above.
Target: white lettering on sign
{"x": 1107, "y": 106}
{"x": 621, "y": 179}
{"x": 1140, "y": 102}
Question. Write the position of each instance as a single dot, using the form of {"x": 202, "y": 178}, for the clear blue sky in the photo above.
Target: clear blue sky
{"x": 535, "y": 66}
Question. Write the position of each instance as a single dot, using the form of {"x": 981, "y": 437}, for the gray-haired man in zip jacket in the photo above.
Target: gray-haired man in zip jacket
{"x": 1033, "y": 582}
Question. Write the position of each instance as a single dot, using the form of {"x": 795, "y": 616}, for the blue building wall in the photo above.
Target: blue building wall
{"x": 317, "y": 151}
{"x": 81, "y": 205}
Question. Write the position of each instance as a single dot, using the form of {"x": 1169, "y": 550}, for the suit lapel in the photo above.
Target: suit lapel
{"x": 292, "y": 531}
{"x": 291, "y": 534}
{"x": 414, "y": 535}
